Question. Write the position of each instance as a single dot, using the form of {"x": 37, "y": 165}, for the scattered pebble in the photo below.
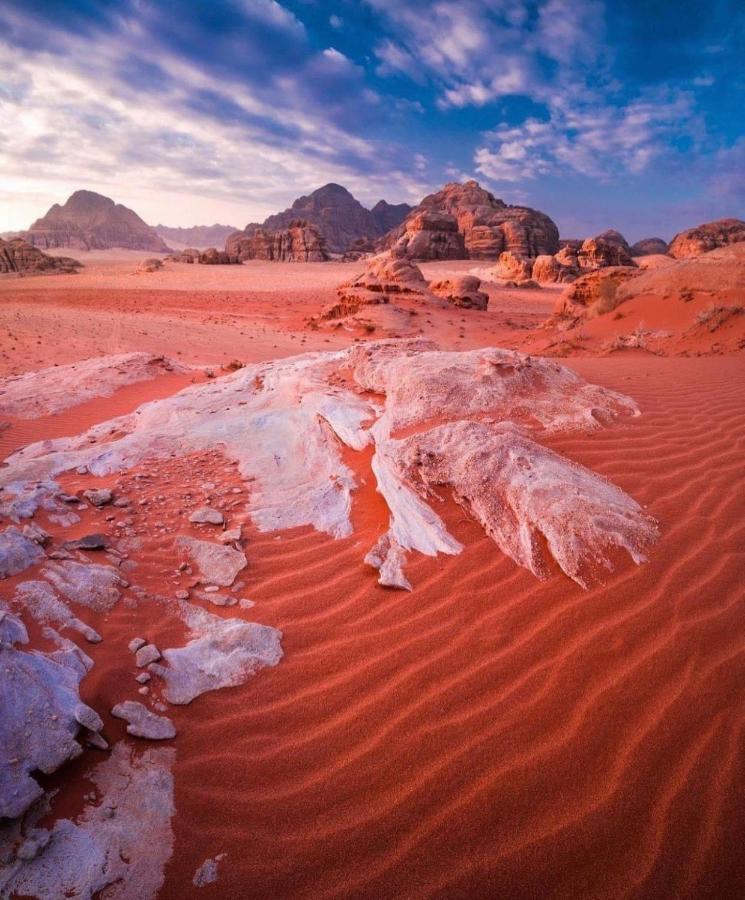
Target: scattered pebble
{"x": 134, "y": 645}
{"x": 146, "y": 655}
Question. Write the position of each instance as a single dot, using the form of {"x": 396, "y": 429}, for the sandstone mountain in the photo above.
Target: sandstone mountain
{"x": 200, "y": 237}
{"x": 699, "y": 240}
{"x": 649, "y": 247}
{"x": 20, "y": 257}
{"x": 90, "y": 221}
{"x": 464, "y": 221}
{"x": 340, "y": 217}
{"x": 300, "y": 241}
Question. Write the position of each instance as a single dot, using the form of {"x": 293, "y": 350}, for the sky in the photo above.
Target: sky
{"x": 628, "y": 115}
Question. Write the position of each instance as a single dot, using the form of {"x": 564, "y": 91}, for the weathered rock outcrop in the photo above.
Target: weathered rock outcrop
{"x": 209, "y": 257}
{"x": 562, "y": 268}
{"x": 20, "y": 257}
{"x": 41, "y": 714}
{"x": 461, "y": 290}
{"x": 486, "y": 225}
{"x": 298, "y": 242}
{"x": 611, "y": 236}
{"x": 649, "y": 247}
{"x": 199, "y": 236}
{"x": 699, "y": 240}
{"x": 597, "y": 253}
{"x": 339, "y": 216}
{"x": 384, "y": 275}
{"x": 285, "y": 423}
{"x": 594, "y": 293}
{"x": 90, "y": 221}
{"x": 516, "y": 268}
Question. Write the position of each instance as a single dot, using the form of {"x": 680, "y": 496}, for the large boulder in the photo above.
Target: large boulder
{"x": 649, "y": 247}
{"x": 513, "y": 267}
{"x": 551, "y": 269}
{"x": 594, "y": 293}
{"x": 462, "y": 291}
{"x": 90, "y": 221}
{"x": 383, "y": 276}
{"x": 299, "y": 242}
{"x": 486, "y": 225}
{"x": 19, "y": 257}
{"x": 597, "y": 253}
{"x": 696, "y": 241}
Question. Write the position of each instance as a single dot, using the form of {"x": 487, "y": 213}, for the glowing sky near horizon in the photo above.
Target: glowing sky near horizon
{"x": 602, "y": 115}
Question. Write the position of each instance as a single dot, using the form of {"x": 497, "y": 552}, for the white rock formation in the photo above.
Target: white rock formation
{"x": 283, "y": 422}
{"x": 17, "y": 552}
{"x": 117, "y": 849}
{"x": 143, "y": 723}
{"x": 40, "y": 714}
{"x": 58, "y": 388}
{"x": 221, "y": 653}
{"x": 43, "y": 605}
{"x": 88, "y": 584}
{"x": 217, "y": 563}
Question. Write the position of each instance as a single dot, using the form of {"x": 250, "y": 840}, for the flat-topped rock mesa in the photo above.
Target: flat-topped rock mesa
{"x": 90, "y": 221}
{"x": 19, "y": 257}
{"x": 300, "y": 241}
{"x": 464, "y": 221}
{"x": 699, "y": 240}
{"x": 339, "y": 216}
{"x": 649, "y": 247}
{"x": 201, "y": 237}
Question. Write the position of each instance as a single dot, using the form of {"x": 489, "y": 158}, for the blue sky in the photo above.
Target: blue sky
{"x": 627, "y": 115}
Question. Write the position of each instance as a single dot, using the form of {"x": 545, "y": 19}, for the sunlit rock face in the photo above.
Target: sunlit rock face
{"x": 474, "y": 420}
{"x": 699, "y": 240}
{"x": 464, "y": 221}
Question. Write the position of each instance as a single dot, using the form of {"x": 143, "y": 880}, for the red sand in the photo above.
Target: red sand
{"x": 487, "y": 734}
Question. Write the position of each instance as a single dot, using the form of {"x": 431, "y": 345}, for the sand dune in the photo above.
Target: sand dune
{"x": 488, "y": 735}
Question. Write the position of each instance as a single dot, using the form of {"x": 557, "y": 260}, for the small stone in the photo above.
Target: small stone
{"x": 88, "y": 542}
{"x": 211, "y": 589}
{"x": 231, "y": 535}
{"x": 182, "y": 595}
{"x": 208, "y": 486}
{"x": 246, "y": 604}
{"x": 142, "y": 723}
{"x": 143, "y": 678}
{"x": 134, "y": 645}
{"x": 82, "y": 470}
{"x": 146, "y": 655}
{"x": 236, "y": 490}
{"x": 206, "y": 515}
{"x": 145, "y": 690}
{"x": 121, "y": 502}
{"x": 98, "y": 496}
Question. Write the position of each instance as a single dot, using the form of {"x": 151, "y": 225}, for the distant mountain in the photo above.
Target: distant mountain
{"x": 90, "y": 221}
{"x": 198, "y": 236}
{"x": 341, "y": 218}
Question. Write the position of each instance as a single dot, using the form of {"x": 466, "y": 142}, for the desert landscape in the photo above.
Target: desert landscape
{"x": 373, "y": 549}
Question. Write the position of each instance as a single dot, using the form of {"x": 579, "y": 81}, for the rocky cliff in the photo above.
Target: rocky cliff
{"x": 90, "y": 221}
{"x": 300, "y": 241}
{"x": 464, "y": 221}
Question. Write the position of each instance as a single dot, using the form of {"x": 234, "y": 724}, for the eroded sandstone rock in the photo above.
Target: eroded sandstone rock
{"x": 19, "y": 257}
{"x": 703, "y": 238}
{"x": 462, "y": 291}
{"x": 298, "y": 242}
